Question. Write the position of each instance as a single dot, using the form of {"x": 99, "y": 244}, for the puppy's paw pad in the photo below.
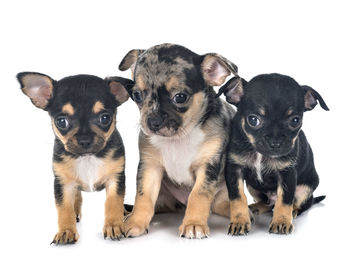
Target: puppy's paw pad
{"x": 113, "y": 231}
{"x": 194, "y": 231}
{"x": 65, "y": 237}
{"x": 281, "y": 226}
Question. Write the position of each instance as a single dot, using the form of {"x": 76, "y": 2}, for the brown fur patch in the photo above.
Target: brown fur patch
{"x": 68, "y": 109}
{"x": 98, "y": 106}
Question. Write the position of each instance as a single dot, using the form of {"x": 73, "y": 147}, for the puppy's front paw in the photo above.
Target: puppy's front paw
{"x": 67, "y": 236}
{"x": 194, "y": 231}
{"x": 113, "y": 231}
{"x": 281, "y": 225}
{"x": 134, "y": 227}
{"x": 240, "y": 225}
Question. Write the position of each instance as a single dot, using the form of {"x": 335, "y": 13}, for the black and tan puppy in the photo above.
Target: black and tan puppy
{"x": 88, "y": 151}
{"x": 184, "y": 131}
{"x": 269, "y": 150}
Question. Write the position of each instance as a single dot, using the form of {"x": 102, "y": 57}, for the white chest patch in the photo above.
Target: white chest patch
{"x": 258, "y": 166}
{"x": 87, "y": 170}
{"x": 178, "y": 155}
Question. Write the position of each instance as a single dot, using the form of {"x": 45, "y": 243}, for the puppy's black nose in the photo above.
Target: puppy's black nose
{"x": 275, "y": 144}
{"x": 85, "y": 142}
{"x": 155, "y": 121}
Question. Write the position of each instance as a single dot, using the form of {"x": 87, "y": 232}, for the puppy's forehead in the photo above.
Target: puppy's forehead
{"x": 82, "y": 93}
{"x": 158, "y": 64}
{"x": 275, "y": 93}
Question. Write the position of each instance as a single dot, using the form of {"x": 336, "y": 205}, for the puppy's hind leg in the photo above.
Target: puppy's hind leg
{"x": 303, "y": 199}
{"x": 221, "y": 203}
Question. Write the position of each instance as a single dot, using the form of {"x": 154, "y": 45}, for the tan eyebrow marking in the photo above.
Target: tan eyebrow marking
{"x": 98, "y": 106}
{"x": 173, "y": 82}
{"x": 68, "y": 109}
{"x": 262, "y": 111}
{"x": 290, "y": 111}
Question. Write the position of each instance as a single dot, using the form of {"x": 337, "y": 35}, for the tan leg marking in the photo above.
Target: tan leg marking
{"x": 282, "y": 220}
{"x": 114, "y": 212}
{"x": 240, "y": 222}
{"x": 195, "y": 223}
{"x": 138, "y": 221}
{"x": 67, "y": 231}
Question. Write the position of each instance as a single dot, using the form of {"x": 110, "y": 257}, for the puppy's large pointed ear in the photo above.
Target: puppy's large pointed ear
{"x": 311, "y": 97}
{"x": 38, "y": 87}
{"x": 120, "y": 88}
{"x": 216, "y": 69}
{"x": 233, "y": 90}
{"x": 129, "y": 61}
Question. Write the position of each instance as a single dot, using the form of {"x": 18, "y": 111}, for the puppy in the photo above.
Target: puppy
{"x": 269, "y": 151}
{"x": 184, "y": 131}
{"x": 88, "y": 150}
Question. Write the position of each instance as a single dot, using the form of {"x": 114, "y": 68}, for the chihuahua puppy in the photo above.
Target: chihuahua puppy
{"x": 183, "y": 137}
{"x": 88, "y": 150}
{"x": 269, "y": 151}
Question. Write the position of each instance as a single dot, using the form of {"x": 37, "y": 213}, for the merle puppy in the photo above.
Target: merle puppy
{"x": 183, "y": 137}
{"x": 269, "y": 150}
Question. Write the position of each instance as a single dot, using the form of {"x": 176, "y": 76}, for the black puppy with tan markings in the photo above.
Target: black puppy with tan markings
{"x": 269, "y": 151}
{"x": 88, "y": 151}
{"x": 183, "y": 137}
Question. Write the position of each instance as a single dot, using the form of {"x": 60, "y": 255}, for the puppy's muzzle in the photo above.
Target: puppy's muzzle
{"x": 156, "y": 121}
{"x": 85, "y": 141}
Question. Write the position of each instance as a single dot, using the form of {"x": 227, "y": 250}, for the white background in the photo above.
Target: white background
{"x": 308, "y": 40}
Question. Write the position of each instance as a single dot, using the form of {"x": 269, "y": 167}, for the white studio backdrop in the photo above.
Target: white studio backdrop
{"x": 308, "y": 40}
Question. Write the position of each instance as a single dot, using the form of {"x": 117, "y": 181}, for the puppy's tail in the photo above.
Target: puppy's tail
{"x": 318, "y": 199}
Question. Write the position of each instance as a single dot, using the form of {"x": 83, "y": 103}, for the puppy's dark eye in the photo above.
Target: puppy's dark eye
{"x": 254, "y": 121}
{"x": 105, "y": 119}
{"x": 294, "y": 122}
{"x": 62, "y": 122}
{"x": 137, "y": 96}
{"x": 180, "y": 98}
